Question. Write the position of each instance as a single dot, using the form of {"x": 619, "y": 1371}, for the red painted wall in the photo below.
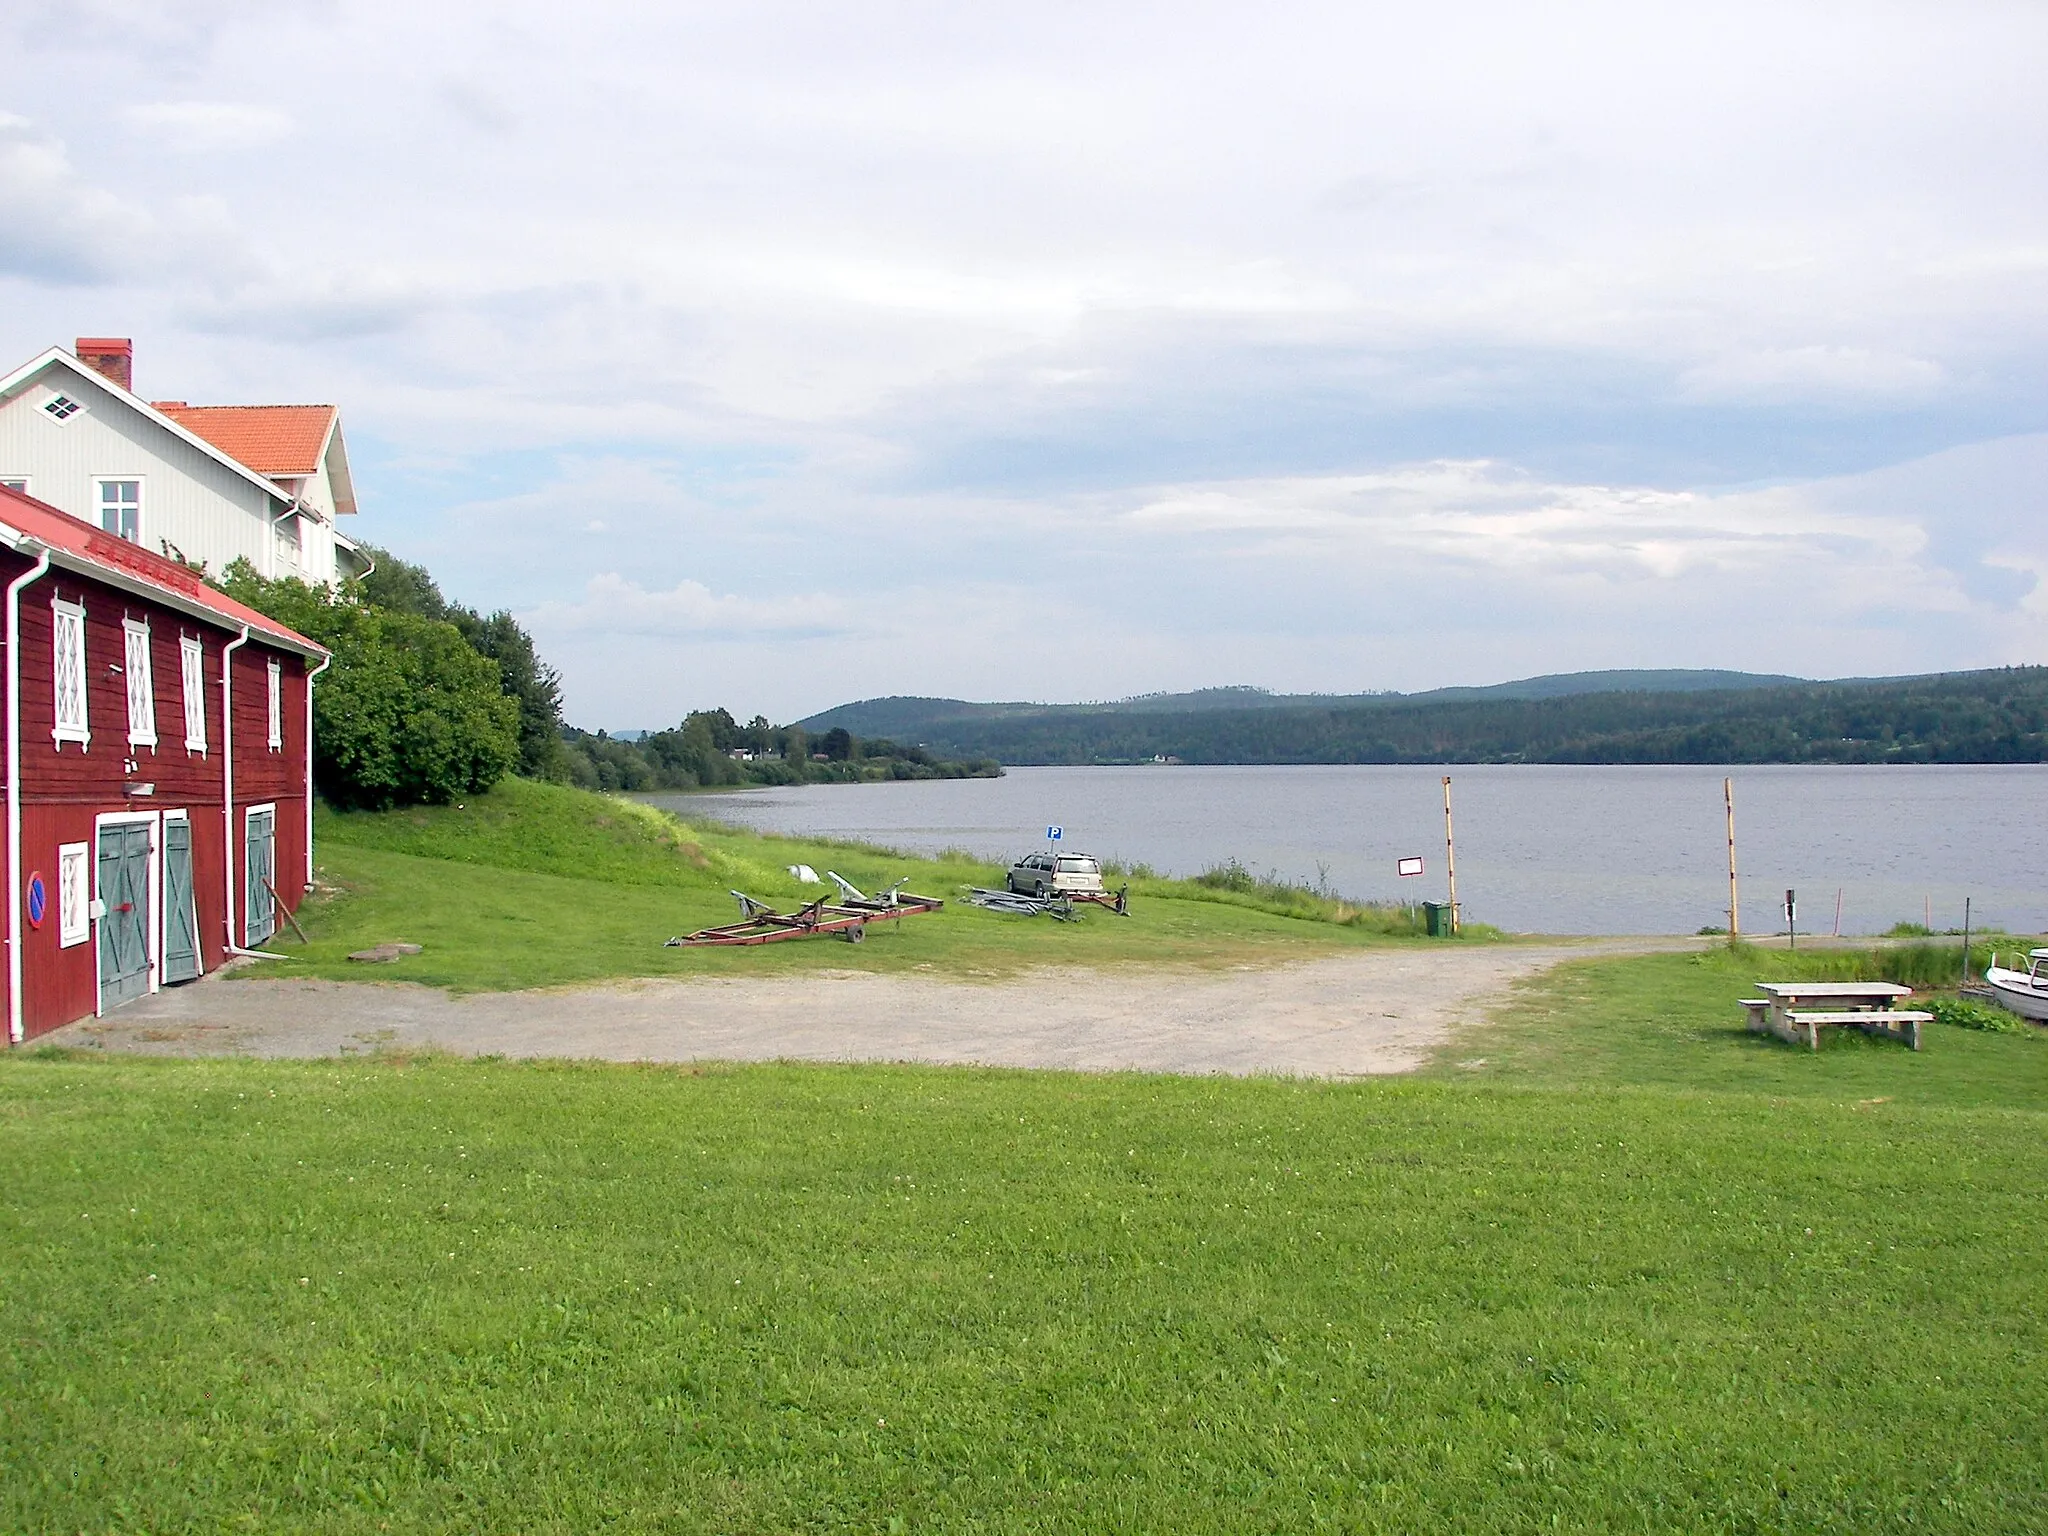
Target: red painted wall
{"x": 64, "y": 787}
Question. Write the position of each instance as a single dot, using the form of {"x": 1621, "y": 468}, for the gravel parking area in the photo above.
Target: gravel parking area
{"x": 1366, "y": 1013}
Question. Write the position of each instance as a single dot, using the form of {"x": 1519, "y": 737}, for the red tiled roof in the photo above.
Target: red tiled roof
{"x": 77, "y": 544}
{"x": 270, "y": 439}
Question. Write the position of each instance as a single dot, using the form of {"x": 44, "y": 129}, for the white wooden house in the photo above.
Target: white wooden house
{"x": 205, "y": 485}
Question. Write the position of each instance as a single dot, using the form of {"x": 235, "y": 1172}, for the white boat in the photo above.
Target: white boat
{"x": 2024, "y": 992}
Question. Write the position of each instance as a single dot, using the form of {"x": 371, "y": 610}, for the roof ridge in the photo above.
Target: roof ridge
{"x": 275, "y": 405}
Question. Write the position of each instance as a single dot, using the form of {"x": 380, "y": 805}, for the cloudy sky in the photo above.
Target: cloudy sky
{"x": 775, "y": 355}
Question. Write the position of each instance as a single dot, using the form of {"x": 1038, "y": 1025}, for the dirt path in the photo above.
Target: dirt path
{"x": 1374, "y": 1011}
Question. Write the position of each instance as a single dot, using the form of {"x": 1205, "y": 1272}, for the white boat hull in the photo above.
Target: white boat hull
{"x": 2017, "y": 992}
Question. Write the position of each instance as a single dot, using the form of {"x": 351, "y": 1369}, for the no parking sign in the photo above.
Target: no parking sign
{"x": 38, "y": 899}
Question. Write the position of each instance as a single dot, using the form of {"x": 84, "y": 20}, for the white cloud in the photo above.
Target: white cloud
{"x": 1489, "y": 515}
{"x": 54, "y": 226}
{"x": 208, "y": 126}
{"x": 614, "y": 606}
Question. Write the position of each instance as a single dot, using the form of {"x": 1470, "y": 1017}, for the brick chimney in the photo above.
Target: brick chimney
{"x": 112, "y": 357}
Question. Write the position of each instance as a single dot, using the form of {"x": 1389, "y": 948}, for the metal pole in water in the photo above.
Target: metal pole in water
{"x": 1734, "y": 896}
{"x": 1838, "y": 911}
{"x": 1450, "y": 856}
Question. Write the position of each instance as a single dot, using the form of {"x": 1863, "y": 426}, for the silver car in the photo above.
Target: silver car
{"x": 1056, "y": 874}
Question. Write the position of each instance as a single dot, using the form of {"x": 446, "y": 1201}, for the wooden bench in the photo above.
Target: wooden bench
{"x": 1798, "y": 1011}
{"x": 1894, "y": 1023}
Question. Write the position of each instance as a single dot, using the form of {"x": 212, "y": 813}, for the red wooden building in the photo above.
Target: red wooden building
{"x": 158, "y": 769}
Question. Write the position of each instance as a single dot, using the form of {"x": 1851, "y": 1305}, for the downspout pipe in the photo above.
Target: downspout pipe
{"x": 227, "y": 776}
{"x": 14, "y": 966}
{"x": 325, "y": 663}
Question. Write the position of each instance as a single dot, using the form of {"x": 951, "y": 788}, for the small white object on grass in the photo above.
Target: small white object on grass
{"x": 805, "y": 875}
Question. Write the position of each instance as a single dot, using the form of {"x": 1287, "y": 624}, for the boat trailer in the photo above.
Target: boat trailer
{"x": 848, "y": 917}
{"x": 1060, "y": 907}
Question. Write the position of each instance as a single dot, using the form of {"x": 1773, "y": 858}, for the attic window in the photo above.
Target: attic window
{"x": 62, "y": 407}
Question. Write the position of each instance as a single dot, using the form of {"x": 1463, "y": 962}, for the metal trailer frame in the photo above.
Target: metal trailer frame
{"x": 848, "y": 917}
{"x": 1060, "y": 906}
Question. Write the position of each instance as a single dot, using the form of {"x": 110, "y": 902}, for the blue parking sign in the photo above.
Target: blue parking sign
{"x": 1052, "y": 834}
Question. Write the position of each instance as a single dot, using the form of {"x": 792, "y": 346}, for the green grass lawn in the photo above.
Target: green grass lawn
{"x": 1640, "y": 1272}
{"x": 1673, "y": 1022}
{"x": 534, "y": 885}
{"x": 1613, "y": 1264}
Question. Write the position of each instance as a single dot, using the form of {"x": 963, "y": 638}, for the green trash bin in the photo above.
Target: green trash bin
{"x": 1436, "y": 918}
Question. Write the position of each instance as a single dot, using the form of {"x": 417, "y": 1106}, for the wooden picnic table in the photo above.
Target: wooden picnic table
{"x": 1799, "y": 1010}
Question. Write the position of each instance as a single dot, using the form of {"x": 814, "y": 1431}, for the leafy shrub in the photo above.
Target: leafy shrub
{"x": 1966, "y": 1013}
{"x": 409, "y": 713}
{"x": 398, "y": 586}
{"x": 1232, "y": 876}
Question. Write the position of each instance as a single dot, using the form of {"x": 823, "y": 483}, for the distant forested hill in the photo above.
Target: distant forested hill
{"x": 914, "y": 718}
{"x": 1617, "y": 717}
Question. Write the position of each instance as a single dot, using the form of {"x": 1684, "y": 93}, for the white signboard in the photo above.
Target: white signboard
{"x": 1408, "y": 866}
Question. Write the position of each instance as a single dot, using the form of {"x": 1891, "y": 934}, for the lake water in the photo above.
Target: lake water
{"x": 1540, "y": 849}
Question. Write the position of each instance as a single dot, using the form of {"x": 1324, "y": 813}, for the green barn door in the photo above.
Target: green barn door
{"x": 262, "y": 907}
{"x": 124, "y": 925}
{"x": 181, "y": 920}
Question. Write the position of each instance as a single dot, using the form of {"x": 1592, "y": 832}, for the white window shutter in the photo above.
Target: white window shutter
{"x": 141, "y": 686}
{"x": 68, "y": 664}
{"x": 74, "y": 894}
{"x": 192, "y": 657}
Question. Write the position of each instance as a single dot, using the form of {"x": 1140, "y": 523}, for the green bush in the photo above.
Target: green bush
{"x": 409, "y": 713}
{"x": 398, "y": 586}
{"x": 1967, "y": 1014}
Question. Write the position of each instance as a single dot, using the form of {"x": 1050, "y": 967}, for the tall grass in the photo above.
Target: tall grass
{"x": 1937, "y": 963}
{"x": 1233, "y": 884}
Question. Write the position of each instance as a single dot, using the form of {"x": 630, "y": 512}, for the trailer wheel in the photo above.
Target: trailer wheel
{"x": 857, "y": 933}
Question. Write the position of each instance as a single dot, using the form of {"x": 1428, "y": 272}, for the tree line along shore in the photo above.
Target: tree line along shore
{"x": 1996, "y": 716}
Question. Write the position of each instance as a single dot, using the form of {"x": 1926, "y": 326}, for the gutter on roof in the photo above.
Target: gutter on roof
{"x": 15, "y": 539}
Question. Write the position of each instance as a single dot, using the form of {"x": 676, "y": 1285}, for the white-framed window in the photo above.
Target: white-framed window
{"x": 74, "y": 894}
{"x": 15, "y": 483}
{"x": 141, "y": 686}
{"x": 289, "y": 543}
{"x": 61, "y": 408}
{"x": 68, "y": 662}
{"x": 192, "y": 670}
{"x": 276, "y": 707}
{"x": 120, "y": 504}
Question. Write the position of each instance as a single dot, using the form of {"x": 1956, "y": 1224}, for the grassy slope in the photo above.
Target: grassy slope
{"x": 533, "y": 885}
